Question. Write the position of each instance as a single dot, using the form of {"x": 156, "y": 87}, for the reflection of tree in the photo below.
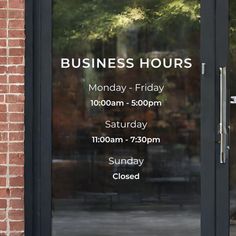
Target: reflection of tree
{"x": 78, "y": 22}
{"x": 125, "y": 28}
{"x": 133, "y": 28}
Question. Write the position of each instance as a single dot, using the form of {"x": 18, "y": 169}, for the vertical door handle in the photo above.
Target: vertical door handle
{"x": 223, "y": 116}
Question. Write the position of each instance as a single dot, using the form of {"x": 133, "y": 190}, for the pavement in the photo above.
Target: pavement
{"x": 233, "y": 230}
{"x": 173, "y": 221}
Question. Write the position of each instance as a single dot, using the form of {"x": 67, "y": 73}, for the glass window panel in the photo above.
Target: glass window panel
{"x": 147, "y": 118}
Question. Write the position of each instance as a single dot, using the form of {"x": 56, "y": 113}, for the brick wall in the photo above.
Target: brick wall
{"x": 11, "y": 117}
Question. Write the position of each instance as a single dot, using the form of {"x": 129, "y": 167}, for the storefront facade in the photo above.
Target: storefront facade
{"x": 115, "y": 118}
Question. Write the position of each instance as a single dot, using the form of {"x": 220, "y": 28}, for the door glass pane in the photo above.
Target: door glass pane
{"x": 126, "y": 118}
{"x": 232, "y": 74}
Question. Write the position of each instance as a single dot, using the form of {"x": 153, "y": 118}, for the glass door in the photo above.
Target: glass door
{"x": 133, "y": 118}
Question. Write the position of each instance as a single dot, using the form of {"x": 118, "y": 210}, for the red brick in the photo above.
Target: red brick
{"x": 16, "y": 127}
{"x": 16, "y": 79}
{"x": 4, "y": 193}
{"x": 16, "y": 234}
{"x": 3, "y": 127}
{"x": 3, "y": 23}
{"x": 16, "y": 147}
{"x": 3, "y": 51}
{"x": 3, "y": 69}
{"x": 16, "y": 51}
{"x": 14, "y": 98}
{"x": 16, "y": 117}
{"x": 15, "y": 14}
{"x": 3, "y": 14}
{"x": 17, "y": 170}
{"x": 16, "y": 192}
{"x": 16, "y": 4}
{"x": 3, "y": 181}
{"x": 16, "y": 214}
{"x": 3, "y": 4}
{"x": 3, "y": 42}
{"x": 16, "y": 24}
{"x": 3, "y": 33}
{"x": 17, "y": 204}
{"x": 3, "y": 136}
{"x": 16, "y": 136}
{"x": 16, "y": 42}
{"x": 3, "y": 107}
{"x": 3, "y": 78}
{"x": 3, "y": 147}
{"x": 3, "y": 117}
{"x": 3, "y": 202}
{"x": 12, "y": 116}
{"x": 16, "y": 159}
{"x": 2, "y": 215}
{"x": 3, "y": 170}
{"x": 3, "y": 88}
{"x": 15, "y": 60}
{"x": 3, "y": 159}
{"x": 16, "y": 69}
{"x": 3, "y": 225}
{"x": 20, "y": 98}
{"x": 16, "y": 33}
{"x": 17, "y": 226}
{"x": 2, "y": 98}
{"x": 3, "y": 60}
{"x": 16, "y": 88}
{"x": 16, "y": 107}
{"x": 11, "y": 98}
{"x": 16, "y": 181}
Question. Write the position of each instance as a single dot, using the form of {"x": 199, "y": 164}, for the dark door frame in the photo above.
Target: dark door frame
{"x": 208, "y": 118}
{"x": 222, "y": 170}
{"x": 38, "y": 92}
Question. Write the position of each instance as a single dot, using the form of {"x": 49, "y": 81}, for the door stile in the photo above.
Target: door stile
{"x": 222, "y": 169}
{"x": 38, "y": 118}
{"x": 208, "y": 123}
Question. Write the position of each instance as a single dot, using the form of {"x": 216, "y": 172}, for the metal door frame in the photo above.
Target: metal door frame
{"x": 222, "y": 169}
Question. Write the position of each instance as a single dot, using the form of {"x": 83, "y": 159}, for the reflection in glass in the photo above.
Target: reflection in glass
{"x": 87, "y": 201}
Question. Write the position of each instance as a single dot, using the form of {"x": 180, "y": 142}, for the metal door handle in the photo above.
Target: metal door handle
{"x": 223, "y": 116}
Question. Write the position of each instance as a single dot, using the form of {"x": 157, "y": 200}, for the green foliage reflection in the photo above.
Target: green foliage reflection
{"x": 78, "y": 21}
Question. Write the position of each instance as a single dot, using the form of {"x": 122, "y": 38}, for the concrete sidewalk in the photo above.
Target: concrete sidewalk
{"x": 168, "y": 222}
